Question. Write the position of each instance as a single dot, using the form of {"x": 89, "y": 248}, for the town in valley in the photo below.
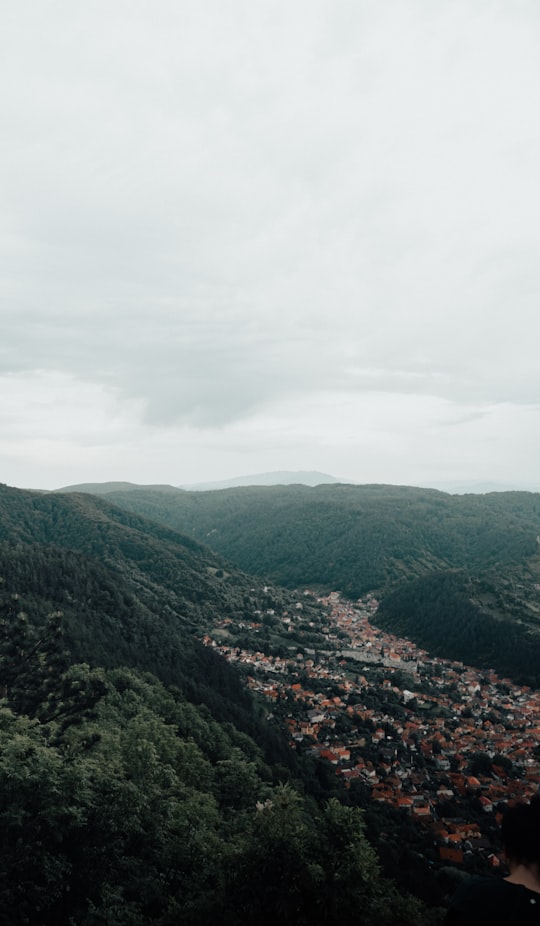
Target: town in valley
{"x": 446, "y": 744}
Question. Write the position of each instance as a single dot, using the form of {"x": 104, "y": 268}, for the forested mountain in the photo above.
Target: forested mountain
{"x": 356, "y": 538}
{"x": 104, "y": 488}
{"x": 280, "y": 477}
{"x": 140, "y": 783}
{"x": 492, "y": 621}
{"x": 478, "y": 555}
{"x": 132, "y": 592}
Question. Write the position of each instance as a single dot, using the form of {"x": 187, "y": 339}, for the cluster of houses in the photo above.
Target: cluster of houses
{"x": 460, "y": 743}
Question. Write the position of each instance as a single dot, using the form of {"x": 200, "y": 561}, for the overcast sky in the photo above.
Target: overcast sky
{"x": 238, "y": 237}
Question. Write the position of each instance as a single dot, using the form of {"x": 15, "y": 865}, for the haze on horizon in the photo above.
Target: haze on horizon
{"x": 241, "y": 238}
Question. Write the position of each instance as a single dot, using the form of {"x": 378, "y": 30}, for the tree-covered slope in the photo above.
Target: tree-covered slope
{"x": 131, "y": 797}
{"x": 144, "y": 810}
{"x": 130, "y": 591}
{"x": 355, "y": 538}
{"x": 442, "y": 564}
{"x": 457, "y": 616}
{"x": 154, "y": 560}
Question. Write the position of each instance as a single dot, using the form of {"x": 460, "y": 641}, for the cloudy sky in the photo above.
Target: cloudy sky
{"x": 238, "y": 237}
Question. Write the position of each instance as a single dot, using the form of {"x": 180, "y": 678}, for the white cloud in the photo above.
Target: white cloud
{"x": 214, "y": 214}
{"x": 56, "y": 406}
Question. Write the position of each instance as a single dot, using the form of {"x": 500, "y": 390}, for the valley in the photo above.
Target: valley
{"x": 163, "y": 644}
{"x": 445, "y": 744}
{"x": 460, "y": 575}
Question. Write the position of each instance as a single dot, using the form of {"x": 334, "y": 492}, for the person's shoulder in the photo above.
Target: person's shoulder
{"x": 493, "y": 900}
{"x": 477, "y": 892}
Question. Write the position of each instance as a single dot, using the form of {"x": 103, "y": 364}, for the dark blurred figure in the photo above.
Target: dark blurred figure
{"x": 512, "y": 901}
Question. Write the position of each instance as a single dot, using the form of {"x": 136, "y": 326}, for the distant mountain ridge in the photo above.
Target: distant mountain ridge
{"x": 280, "y": 477}
{"x": 105, "y": 488}
{"x": 484, "y": 487}
{"x": 285, "y": 477}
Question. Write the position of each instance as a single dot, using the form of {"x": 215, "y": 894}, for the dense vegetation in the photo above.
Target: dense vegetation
{"x": 354, "y": 538}
{"x": 459, "y": 574}
{"x": 139, "y": 783}
{"x": 446, "y": 614}
{"x": 142, "y": 809}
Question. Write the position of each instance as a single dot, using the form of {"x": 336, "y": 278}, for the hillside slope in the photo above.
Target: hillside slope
{"x": 132, "y": 592}
{"x": 383, "y": 539}
{"x": 128, "y": 801}
{"x": 355, "y": 538}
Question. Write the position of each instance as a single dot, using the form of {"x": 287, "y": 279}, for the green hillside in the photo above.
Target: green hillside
{"x": 145, "y": 810}
{"x": 131, "y": 591}
{"x": 140, "y": 783}
{"x": 489, "y": 622}
{"x": 384, "y": 539}
{"x": 355, "y": 538}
